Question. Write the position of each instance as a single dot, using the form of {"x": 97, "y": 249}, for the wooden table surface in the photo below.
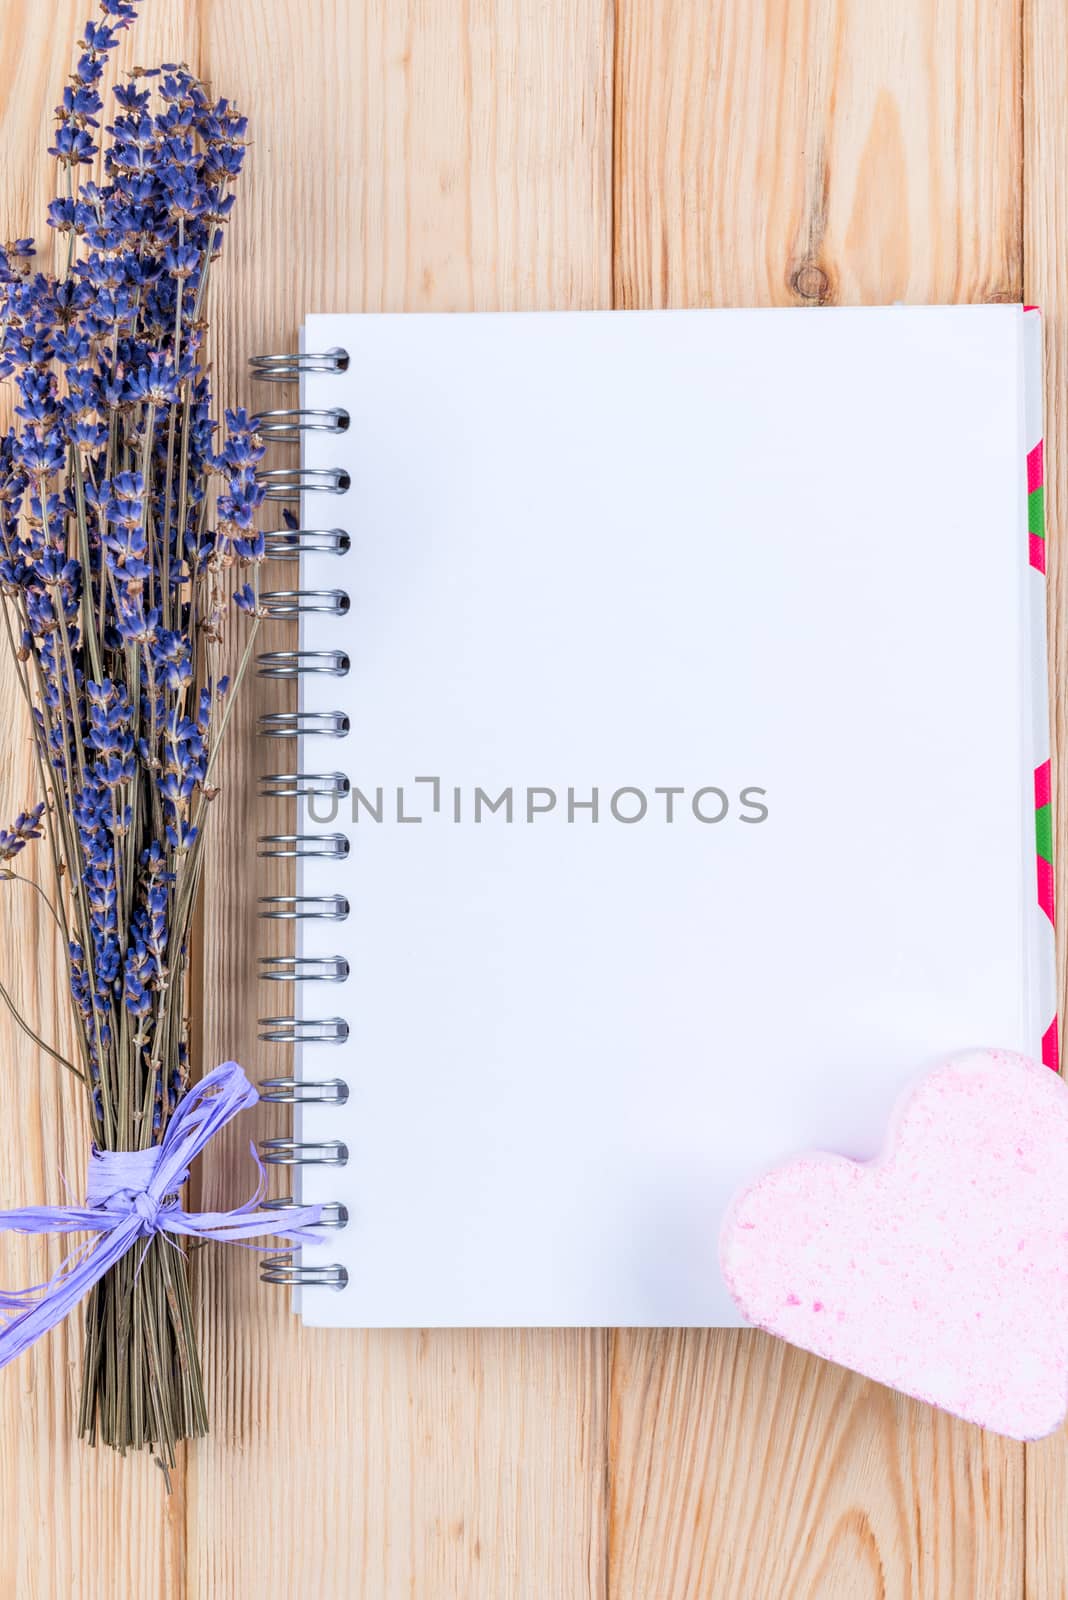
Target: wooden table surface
{"x": 498, "y": 154}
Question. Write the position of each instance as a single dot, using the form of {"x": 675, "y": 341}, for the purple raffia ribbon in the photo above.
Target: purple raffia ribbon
{"x": 132, "y": 1194}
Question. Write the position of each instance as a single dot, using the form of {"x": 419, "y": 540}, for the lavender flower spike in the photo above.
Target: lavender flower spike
{"x": 129, "y": 562}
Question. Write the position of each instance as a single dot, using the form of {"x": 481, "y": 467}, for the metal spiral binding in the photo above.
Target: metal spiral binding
{"x": 294, "y": 785}
{"x": 300, "y": 907}
{"x": 303, "y": 846}
{"x": 298, "y": 1153}
{"x": 284, "y": 544}
{"x": 305, "y": 1091}
{"x": 287, "y": 368}
{"x": 303, "y": 1030}
{"x": 303, "y": 969}
{"x": 285, "y": 603}
{"x": 286, "y": 426}
{"x": 285, "y": 483}
{"x": 285, "y": 1271}
{"x": 281, "y": 426}
{"x": 292, "y": 663}
{"x": 292, "y": 724}
{"x": 335, "y": 1215}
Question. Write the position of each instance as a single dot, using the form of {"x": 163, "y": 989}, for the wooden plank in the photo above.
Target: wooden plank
{"x": 1045, "y": 217}
{"x": 407, "y": 156}
{"x": 448, "y": 156}
{"x": 793, "y": 152}
{"x": 76, "y": 1521}
{"x": 743, "y": 1467}
{"x": 813, "y": 151}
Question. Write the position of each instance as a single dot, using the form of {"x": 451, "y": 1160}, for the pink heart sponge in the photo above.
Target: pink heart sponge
{"x": 941, "y": 1267}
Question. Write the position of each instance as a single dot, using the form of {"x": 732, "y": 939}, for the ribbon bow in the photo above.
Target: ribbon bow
{"x": 133, "y": 1194}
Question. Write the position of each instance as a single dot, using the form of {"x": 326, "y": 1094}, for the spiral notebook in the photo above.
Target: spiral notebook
{"x": 670, "y": 758}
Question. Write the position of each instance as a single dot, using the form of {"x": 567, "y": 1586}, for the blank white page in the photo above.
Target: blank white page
{"x": 781, "y": 551}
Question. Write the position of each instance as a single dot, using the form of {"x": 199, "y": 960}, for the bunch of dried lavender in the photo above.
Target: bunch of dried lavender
{"x": 122, "y": 569}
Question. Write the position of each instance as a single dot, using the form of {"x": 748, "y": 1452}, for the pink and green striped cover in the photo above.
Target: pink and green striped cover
{"x": 1045, "y": 967}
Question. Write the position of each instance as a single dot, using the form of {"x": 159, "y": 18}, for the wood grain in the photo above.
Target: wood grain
{"x": 452, "y": 154}
{"x": 791, "y": 152}
{"x": 76, "y": 1521}
{"x": 1045, "y": 260}
{"x": 408, "y": 157}
{"x": 745, "y": 1468}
